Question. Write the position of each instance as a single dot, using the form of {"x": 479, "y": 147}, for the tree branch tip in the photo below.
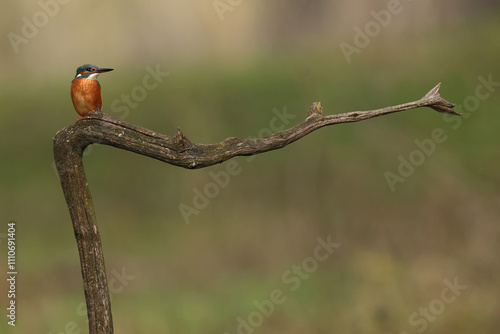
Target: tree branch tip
{"x": 445, "y": 110}
{"x": 434, "y": 92}
{"x": 438, "y": 103}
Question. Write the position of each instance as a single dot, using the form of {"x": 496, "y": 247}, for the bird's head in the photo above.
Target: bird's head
{"x": 90, "y": 71}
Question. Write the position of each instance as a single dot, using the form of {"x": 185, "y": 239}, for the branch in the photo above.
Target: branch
{"x": 177, "y": 150}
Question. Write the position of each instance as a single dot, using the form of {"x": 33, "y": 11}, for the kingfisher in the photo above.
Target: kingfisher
{"x": 86, "y": 90}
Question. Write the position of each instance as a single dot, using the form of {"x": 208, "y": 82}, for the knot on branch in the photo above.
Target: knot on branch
{"x": 315, "y": 110}
{"x": 180, "y": 140}
{"x": 436, "y": 102}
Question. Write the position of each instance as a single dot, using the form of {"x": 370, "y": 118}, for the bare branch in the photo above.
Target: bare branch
{"x": 177, "y": 150}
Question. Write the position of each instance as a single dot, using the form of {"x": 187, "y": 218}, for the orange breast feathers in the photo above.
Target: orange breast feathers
{"x": 86, "y": 95}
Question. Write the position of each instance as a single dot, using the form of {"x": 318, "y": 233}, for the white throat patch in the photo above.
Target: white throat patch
{"x": 93, "y": 76}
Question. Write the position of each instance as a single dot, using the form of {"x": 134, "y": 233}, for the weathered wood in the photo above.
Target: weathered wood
{"x": 70, "y": 142}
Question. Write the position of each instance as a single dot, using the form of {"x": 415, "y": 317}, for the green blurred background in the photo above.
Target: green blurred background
{"x": 232, "y": 66}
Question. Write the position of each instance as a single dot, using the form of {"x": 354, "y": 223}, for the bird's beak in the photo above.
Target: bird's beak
{"x": 102, "y": 70}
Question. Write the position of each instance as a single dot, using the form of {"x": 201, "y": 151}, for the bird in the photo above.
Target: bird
{"x": 86, "y": 90}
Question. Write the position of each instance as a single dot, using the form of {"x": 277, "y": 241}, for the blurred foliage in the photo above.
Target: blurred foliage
{"x": 396, "y": 248}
